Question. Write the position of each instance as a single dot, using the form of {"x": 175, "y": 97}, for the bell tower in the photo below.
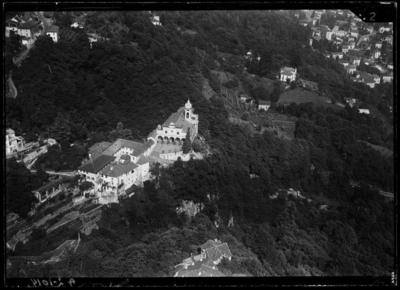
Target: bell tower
{"x": 188, "y": 110}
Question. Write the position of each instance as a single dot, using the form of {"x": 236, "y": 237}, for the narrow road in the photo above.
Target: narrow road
{"x": 18, "y": 59}
{"x": 61, "y": 173}
{"x": 12, "y": 90}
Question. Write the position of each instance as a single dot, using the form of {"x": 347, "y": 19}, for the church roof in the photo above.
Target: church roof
{"x": 95, "y": 165}
{"x": 178, "y": 118}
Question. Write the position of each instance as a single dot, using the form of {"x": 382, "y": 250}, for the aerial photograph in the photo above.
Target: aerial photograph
{"x": 198, "y": 143}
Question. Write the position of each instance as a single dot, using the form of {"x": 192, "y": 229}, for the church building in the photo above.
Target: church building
{"x": 176, "y": 126}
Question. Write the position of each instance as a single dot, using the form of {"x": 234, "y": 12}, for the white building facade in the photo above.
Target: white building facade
{"x": 288, "y": 74}
{"x": 14, "y": 144}
{"x": 176, "y": 126}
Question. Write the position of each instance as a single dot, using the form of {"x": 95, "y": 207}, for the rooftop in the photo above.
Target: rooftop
{"x": 137, "y": 147}
{"x": 288, "y": 70}
{"x": 97, "y": 164}
{"x": 262, "y": 102}
{"x": 368, "y": 78}
{"x": 178, "y": 119}
{"x": 214, "y": 250}
{"x": 118, "y": 168}
{"x": 53, "y": 28}
{"x": 96, "y": 149}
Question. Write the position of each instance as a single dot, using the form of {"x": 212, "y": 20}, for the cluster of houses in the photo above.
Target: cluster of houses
{"x": 354, "y": 103}
{"x": 112, "y": 168}
{"x": 29, "y": 26}
{"x": 355, "y": 42}
{"x": 26, "y": 152}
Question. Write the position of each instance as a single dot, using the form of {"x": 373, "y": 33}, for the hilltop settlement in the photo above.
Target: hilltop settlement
{"x": 198, "y": 144}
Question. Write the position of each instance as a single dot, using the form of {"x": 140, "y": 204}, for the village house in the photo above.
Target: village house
{"x": 351, "y": 69}
{"x": 94, "y": 37}
{"x": 76, "y": 25}
{"x": 9, "y": 29}
{"x": 49, "y": 190}
{"x": 244, "y": 98}
{"x": 304, "y": 22}
{"x": 338, "y": 41}
{"x": 388, "y": 39}
{"x": 14, "y": 144}
{"x": 354, "y": 32}
{"x": 53, "y": 32}
{"x": 344, "y": 63}
{"x": 376, "y": 54}
{"x": 370, "y": 29}
{"x": 155, "y": 20}
{"x": 204, "y": 264}
{"x": 351, "y": 44}
{"x": 288, "y": 74}
{"x": 263, "y": 105}
{"x": 337, "y": 55}
{"x": 345, "y": 48}
{"x": 351, "y": 39}
{"x": 326, "y": 32}
{"x": 351, "y": 101}
{"x": 378, "y": 45}
{"x": 338, "y": 33}
{"x": 383, "y": 29}
{"x": 376, "y": 78}
{"x": 367, "y": 78}
{"x": 387, "y": 78}
{"x": 249, "y": 55}
{"x": 356, "y": 60}
{"x": 363, "y": 111}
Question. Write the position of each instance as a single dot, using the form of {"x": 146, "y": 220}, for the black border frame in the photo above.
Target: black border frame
{"x": 382, "y": 13}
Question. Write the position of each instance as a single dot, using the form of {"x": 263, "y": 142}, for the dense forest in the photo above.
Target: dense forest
{"x": 143, "y": 73}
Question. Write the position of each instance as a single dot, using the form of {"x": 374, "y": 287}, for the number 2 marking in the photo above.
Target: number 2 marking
{"x": 372, "y": 16}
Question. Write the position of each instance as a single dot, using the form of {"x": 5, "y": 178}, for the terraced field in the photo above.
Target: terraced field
{"x": 299, "y": 95}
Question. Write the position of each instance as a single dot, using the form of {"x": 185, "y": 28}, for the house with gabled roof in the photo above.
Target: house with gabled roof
{"x": 264, "y": 105}
{"x": 367, "y": 78}
{"x": 288, "y": 74}
{"x": 53, "y": 32}
{"x": 204, "y": 264}
{"x": 115, "y": 167}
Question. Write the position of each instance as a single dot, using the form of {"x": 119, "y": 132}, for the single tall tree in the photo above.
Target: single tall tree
{"x": 187, "y": 144}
